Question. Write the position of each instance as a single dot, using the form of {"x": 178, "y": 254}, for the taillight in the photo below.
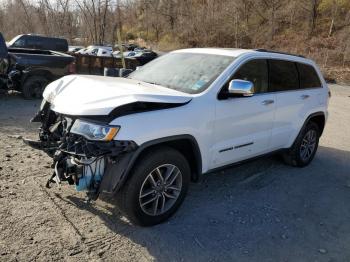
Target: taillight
{"x": 72, "y": 68}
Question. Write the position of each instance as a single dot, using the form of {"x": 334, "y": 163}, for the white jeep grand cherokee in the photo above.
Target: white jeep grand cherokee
{"x": 143, "y": 138}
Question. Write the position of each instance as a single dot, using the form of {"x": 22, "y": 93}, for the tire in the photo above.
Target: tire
{"x": 34, "y": 86}
{"x": 133, "y": 196}
{"x": 307, "y": 140}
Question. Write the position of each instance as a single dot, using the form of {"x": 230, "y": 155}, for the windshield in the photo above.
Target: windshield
{"x": 191, "y": 73}
{"x": 13, "y": 40}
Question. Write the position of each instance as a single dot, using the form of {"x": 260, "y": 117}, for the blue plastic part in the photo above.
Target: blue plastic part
{"x": 85, "y": 182}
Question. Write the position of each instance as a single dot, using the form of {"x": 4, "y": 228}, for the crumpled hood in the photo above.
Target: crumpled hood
{"x": 98, "y": 95}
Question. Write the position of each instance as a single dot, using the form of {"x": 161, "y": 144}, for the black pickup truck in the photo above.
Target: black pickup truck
{"x": 30, "y": 70}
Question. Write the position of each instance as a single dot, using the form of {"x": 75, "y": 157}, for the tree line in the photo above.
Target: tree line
{"x": 316, "y": 28}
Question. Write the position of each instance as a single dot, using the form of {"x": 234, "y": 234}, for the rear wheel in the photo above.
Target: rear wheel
{"x": 305, "y": 146}
{"x": 156, "y": 188}
{"x": 34, "y": 86}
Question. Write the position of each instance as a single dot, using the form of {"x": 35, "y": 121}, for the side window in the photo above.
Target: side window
{"x": 255, "y": 71}
{"x": 283, "y": 75}
{"x": 33, "y": 42}
{"x": 308, "y": 76}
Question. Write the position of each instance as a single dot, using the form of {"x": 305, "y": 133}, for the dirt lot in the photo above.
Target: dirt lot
{"x": 260, "y": 211}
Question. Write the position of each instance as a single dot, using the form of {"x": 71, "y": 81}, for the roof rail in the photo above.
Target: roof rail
{"x": 277, "y": 52}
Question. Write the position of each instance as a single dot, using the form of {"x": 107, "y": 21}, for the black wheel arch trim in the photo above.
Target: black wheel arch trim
{"x": 320, "y": 113}
{"x": 307, "y": 120}
{"x": 137, "y": 153}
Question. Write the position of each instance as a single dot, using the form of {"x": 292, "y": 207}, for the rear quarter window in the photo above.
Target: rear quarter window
{"x": 283, "y": 75}
{"x": 308, "y": 76}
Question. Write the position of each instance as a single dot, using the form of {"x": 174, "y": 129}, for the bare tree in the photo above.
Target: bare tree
{"x": 311, "y": 7}
{"x": 308, "y": 26}
{"x": 28, "y": 21}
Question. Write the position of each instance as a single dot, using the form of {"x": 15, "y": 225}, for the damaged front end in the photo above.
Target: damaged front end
{"x": 83, "y": 151}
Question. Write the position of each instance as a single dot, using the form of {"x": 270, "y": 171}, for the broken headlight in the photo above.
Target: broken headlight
{"x": 94, "y": 131}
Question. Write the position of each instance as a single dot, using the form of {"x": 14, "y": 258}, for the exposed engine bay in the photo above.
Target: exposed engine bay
{"x": 92, "y": 166}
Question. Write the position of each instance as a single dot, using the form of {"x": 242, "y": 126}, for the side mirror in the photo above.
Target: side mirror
{"x": 240, "y": 87}
{"x": 3, "y": 48}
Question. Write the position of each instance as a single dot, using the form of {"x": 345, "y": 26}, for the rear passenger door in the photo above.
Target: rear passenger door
{"x": 295, "y": 98}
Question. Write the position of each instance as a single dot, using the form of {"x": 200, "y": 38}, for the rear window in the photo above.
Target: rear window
{"x": 62, "y": 45}
{"x": 308, "y": 76}
{"x": 283, "y": 75}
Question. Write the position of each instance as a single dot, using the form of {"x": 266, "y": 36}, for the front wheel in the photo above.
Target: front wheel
{"x": 34, "y": 86}
{"x": 156, "y": 188}
{"x": 305, "y": 146}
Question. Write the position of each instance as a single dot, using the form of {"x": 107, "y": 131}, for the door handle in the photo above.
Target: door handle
{"x": 304, "y": 97}
{"x": 268, "y": 102}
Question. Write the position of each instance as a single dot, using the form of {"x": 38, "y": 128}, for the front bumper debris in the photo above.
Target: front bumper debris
{"x": 92, "y": 166}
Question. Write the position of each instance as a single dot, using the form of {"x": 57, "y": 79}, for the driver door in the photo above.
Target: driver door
{"x": 243, "y": 125}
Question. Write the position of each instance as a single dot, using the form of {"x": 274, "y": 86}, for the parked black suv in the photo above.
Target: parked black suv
{"x": 39, "y": 42}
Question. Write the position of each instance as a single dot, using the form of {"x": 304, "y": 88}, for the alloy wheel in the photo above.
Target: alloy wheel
{"x": 160, "y": 190}
{"x": 308, "y": 145}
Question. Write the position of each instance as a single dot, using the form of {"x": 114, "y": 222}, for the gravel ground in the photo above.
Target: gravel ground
{"x": 260, "y": 211}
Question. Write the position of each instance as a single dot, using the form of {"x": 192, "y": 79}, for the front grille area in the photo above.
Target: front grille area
{"x": 78, "y": 145}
